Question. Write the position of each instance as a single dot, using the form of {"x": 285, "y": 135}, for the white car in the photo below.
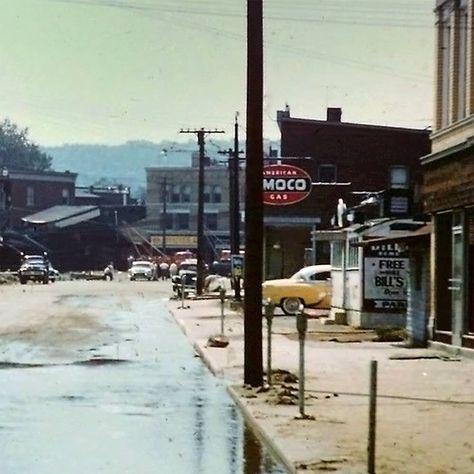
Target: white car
{"x": 142, "y": 269}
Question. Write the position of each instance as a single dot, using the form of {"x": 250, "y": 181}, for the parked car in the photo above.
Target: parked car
{"x": 34, "y": 268}
{"x": 53, "y": 273}
{"x": 187, "y": 275}
{"x": 310, "y": 286}
{"x": 142, "y": 269}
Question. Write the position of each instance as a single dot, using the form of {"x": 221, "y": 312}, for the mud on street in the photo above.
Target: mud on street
{"x": 97, "y": 377}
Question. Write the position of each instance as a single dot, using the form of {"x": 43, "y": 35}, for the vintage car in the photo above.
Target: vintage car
{"x": 142, "y": 269}
{"x": 34, "y": 268}
{"x": 186, "y": 277}
{"x": 310, "y": 287}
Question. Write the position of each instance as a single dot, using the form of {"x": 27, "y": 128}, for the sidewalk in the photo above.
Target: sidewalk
{"x": 425, "y": 404}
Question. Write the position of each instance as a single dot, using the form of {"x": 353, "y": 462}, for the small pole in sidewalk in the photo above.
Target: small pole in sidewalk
{"x": 269, "y": 310}
{"x": 302, "y": 326}
{"x": 222, "y": 297}
{"x": 182, "y": 295}
{"x": 372, "y": 417}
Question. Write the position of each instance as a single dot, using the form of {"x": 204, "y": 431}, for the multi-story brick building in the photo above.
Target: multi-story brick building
{"x": 449, "y": 177}
{"x": 346, "y": 161}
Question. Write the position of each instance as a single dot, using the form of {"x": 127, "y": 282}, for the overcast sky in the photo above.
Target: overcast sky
{"x": 108, "y": 71}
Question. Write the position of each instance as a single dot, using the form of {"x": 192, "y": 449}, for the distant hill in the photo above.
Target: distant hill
{"x": 125, "y": 164}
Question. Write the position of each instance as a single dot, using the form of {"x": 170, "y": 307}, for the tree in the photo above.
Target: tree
{"x": 18, "y": 152}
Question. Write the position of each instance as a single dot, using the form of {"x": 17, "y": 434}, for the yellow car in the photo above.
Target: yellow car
{"x": 310, "y": 286}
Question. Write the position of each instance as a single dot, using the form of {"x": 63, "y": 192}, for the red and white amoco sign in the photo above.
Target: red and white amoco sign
{"x": 285, "y": 184}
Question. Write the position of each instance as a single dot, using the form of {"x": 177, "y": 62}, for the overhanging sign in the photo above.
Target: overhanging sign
{"x": 285, "y": 184}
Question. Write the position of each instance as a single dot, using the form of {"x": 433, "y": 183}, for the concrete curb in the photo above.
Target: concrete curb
{"x": 246, "y": 413}
{"x": 260, "y": 433}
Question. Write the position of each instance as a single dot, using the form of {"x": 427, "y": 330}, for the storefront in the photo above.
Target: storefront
{"x": 449, "y": 197}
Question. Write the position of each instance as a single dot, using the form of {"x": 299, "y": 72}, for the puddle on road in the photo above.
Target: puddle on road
{"x": 162, "y": 413}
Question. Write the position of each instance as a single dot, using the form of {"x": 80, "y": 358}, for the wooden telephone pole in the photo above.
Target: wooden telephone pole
{"x": 253, "y": 358}
{"x": 201, "y": 132}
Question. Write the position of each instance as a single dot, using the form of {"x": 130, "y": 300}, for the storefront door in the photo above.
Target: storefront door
{"x": 457, "y": 281}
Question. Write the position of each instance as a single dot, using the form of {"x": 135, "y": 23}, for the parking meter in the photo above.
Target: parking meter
{"x": 222, "y": 297}
{"x": 301, "y": 322}
{"x": 269, "y": 312}
{"x": 301, "y": 326}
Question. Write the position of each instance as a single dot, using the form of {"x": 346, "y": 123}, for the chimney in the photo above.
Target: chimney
{"x": 334, "y": 114}
{"x": 282, "y": 114}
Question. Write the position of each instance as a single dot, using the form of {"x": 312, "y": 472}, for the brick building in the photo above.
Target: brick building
{"x": 32, "y": 191}
{"x": 449, "y": 177}
{"x": 348, "y": 161}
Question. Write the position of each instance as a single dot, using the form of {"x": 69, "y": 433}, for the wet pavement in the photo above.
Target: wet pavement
{"x": 136, "y": 400}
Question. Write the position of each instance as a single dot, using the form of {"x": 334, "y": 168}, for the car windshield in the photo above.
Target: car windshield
{"x": 34, "y": 261}
{"x": 142, "y": 266}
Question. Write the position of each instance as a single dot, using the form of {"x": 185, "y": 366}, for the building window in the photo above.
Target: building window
{"x": 327, "y": 173}
{"x": 167, "y": 219}
{"x": 175, "y": 196}
{"x": 211, "y": 220}
{"x": 182, "y": 221}
{"x": 217, "y": 194}
{"x": 353, "y": 254}
{"x": 186, "y": 193}
{"x": 30, "y": 196}
{"x": 445, "y": 38}
{"x": 337, "y": 252}
{"x": 65, "y": 196}
{"x": 462, "y": 60}
{"x": 207, "y": 194}
{"x": 399, "y": 177}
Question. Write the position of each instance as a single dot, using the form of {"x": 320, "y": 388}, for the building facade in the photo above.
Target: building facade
{"x": 371, "y": 170}
{"x": 26, "y": 192}
{"x": 449, "y": 177}
{"x": 172, "y": 207}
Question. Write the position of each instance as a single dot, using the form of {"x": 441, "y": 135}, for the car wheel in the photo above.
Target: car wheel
{"x": 22, "y": 281}
{"x": 290, "y": 306}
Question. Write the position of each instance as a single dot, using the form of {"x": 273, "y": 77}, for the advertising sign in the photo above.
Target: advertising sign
{"x": 385, "y": 278}
{"x": 173, "y": 240}
{"x": 285, "y": 184}
{"x": 237, "y": 266}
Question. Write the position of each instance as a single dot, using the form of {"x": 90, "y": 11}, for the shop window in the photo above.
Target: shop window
{"x": 327, "y": 173}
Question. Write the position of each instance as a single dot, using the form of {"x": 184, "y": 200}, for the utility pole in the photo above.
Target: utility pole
{"x": 164, "y": 217}
{"x": 234, "y": 200}
{"x": 200, "y": 213}
{"x": 253, "y": 358}
{"x": 235, "y": 210}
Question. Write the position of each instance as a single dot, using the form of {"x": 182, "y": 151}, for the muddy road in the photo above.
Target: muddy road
{"x": 97, "y": 377}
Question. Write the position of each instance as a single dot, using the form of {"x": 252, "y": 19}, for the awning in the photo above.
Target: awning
{"x": 63, "y": 216}
{"x": 420, "y": 234}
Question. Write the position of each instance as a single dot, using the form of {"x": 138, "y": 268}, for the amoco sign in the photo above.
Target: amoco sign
{"x": 285, "y": 184}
